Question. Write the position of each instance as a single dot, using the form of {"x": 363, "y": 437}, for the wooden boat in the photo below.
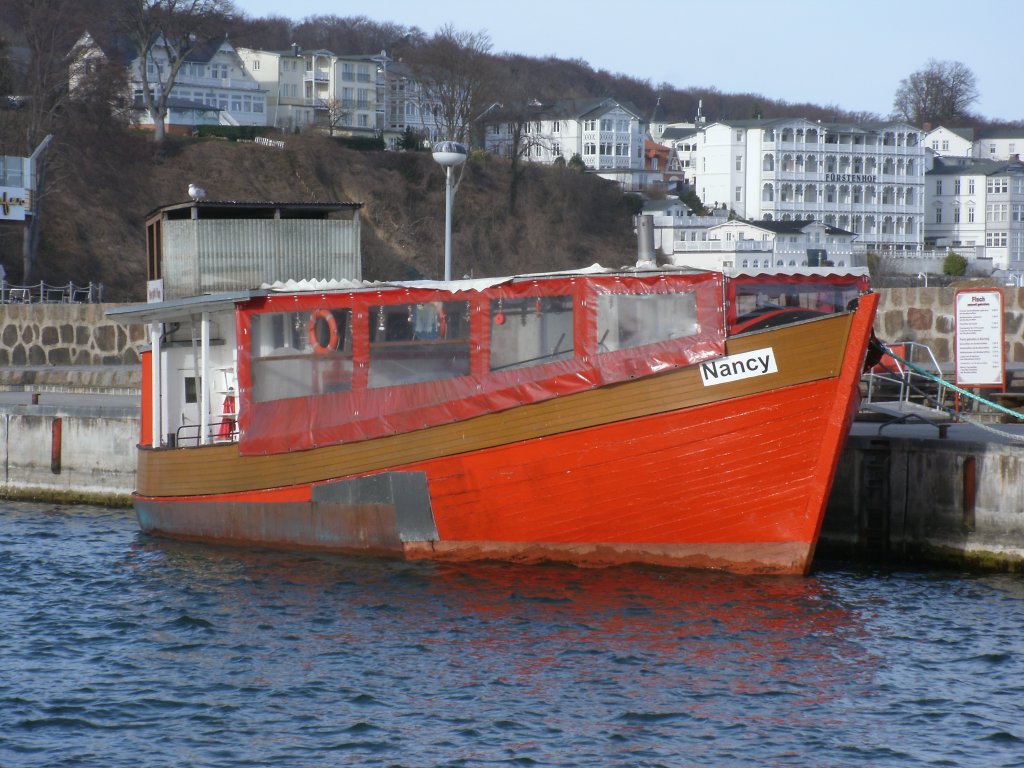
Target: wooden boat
{"x": 664, "y": 416}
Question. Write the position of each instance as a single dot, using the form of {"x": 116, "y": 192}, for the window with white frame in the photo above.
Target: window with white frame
{"x": 970, "y": 186}
{"x": 995, "y": 239}
{"x": 739, "y": 162}
{"x": 938, "y": 186}
{"x": 996, "y": 212}
{"x": 739, "y": 194}
{"x": 991, "y": 149}
{"x": 997, "y": 185}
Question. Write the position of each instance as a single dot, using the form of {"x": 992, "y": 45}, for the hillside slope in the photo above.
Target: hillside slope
{"x": 101, "y": 190}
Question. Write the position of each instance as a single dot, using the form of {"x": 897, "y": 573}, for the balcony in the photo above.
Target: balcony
{"x": 724, "y": 246}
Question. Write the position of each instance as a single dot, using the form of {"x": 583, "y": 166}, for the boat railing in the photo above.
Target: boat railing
{"x": 895, "y": 378}
{"x": 223, "y": 431}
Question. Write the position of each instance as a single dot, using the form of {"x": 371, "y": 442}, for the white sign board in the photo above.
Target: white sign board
{"x": 746, "y": 365}
{"x": 154, "y": 291}
{"x": 978, "y": 338}
{"x": 13, "y": 202}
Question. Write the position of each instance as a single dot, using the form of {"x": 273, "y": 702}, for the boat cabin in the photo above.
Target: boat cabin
{"x": 305, "y": 365}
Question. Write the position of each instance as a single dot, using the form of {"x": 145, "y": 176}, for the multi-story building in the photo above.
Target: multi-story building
{"x": 213, "y": 76}
{"x": 608, "y": 135}
{"x": 212, "y": 86}
{"x": 985, "y": 144}
{"x": 976, "y": 207}
{"x": 740, "y": 244}
{"x": 407, "y": 106}
{"x": 867, "y": 179}
{"x": 281, "y": 75}
{"x": 344, "y": 91}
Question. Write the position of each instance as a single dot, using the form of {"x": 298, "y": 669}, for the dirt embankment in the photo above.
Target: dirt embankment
{"x": 101, "y": 190}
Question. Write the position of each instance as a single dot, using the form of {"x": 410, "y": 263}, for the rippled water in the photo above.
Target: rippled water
{"x": 121, "y": 650}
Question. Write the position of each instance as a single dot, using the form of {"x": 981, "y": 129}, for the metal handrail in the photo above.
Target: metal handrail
{"x": 46, "y": 293}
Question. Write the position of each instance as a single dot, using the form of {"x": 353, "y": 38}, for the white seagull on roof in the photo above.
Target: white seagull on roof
{"x": 196, "y": 192}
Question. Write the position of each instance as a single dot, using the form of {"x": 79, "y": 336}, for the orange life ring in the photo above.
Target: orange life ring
{"x": 332, "y": 331}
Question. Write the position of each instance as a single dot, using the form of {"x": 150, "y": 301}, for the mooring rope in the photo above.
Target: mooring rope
{"x": 960, "y": 390}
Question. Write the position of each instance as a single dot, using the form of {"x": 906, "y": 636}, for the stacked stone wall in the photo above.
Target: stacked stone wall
{"x": 66, "y": 334}
{"x": 926, "y": 315}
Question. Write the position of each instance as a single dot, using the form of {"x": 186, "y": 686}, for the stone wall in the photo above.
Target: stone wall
{"x": 81, "y": 334}
{"x": 66, "y": 334}
{"x": 926, "y": 315}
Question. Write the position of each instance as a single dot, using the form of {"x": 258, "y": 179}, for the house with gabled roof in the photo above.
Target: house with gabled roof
{"x": 211, "y": 87}
{"x": 950, "y": 142}
{"x": 608, "y": 135}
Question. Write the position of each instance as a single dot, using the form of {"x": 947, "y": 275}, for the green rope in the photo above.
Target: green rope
{"x": 943, "y": 383}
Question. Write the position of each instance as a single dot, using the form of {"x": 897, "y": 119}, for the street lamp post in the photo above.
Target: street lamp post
{"x": 448, "y": 154}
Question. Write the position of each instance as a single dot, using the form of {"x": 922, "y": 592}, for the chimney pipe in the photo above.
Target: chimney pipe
{"x": 645, "y": 242}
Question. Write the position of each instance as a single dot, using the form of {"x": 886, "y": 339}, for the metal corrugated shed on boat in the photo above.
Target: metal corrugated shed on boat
{"x": 208, "y": 247}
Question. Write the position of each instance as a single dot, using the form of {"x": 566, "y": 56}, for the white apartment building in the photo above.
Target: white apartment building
{"x": 344, "y": 90}
{"x": 740, "y": 244}
{"x": 988, "y": 144}
{"x": 976, "y": 207}
{"x": 281, "y": 75}
{"x": 407, "y": 107}
{"x": 608, "y": 135}
{"x": 866, "y": 179}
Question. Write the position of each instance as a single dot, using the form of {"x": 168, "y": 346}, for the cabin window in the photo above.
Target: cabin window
{"x": 627, "y": 320}
{"x": 530, "y": 331}
{"x": 410, "y": 343}
{"x": 299, "y": 354}
{"x": 192, "y": 387}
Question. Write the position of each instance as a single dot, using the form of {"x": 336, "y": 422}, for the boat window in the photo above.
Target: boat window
{"x": 767, "y": 305}
{"x": 627, "y": 320}
{"x": 298, "y": 354}
{"x": 410, "y": 343}
{"x": 534, "y": 330}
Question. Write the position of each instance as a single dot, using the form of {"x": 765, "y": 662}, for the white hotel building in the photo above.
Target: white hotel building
{"x": 867, "y": 179}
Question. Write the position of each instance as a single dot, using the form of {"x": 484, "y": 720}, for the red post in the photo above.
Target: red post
{"x": 55, "y": 434}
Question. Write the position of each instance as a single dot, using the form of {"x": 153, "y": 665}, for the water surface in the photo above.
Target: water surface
{"x": 121, "y": 650}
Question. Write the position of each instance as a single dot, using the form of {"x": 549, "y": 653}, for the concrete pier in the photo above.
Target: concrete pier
{"x": 70, "y": 433}
{"x": 904, "y": 494}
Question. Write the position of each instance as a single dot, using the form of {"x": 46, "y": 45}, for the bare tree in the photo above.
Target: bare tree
{"x": 454, "y": 71}
{"x": 338, "y": 114}
{"x": 941, "y": 94}
{"x": 164, "y": 33}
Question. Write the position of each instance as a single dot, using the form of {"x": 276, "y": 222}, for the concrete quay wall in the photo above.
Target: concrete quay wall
{"x": 68, "y": 453}
{"x": 903, "y": 495}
